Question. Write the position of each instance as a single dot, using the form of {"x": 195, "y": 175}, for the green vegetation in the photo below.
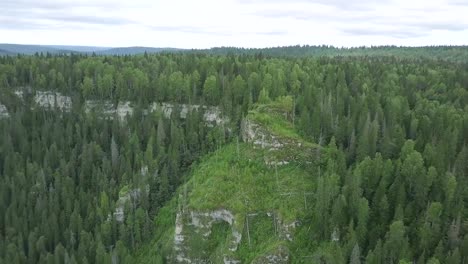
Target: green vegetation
{"x": 278, "y": 126}
{"x": 124, "y": 191}
{"x": 236, "y": 178}
{"x": 449, "y": 53}
{"x": 245, "y": 184}
{"x": 366, "y": 153}
{"x": 446, "y": 53}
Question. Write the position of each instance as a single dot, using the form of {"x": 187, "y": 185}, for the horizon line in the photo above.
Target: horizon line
{"x": 242, "y": 47}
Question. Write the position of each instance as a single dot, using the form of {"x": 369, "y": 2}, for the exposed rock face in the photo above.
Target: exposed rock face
{"x": 48, "y": 99}
{"x": 211, "y": 114}
{"x": 287, "y": 229}
{"x": 19, "y": 91}
{"x": 3, "y": 111}
{"x": 124, "y": 109}
{"x": 179, "y": 240}
{"x": 335, "y": 236}
{"x": 259, "y": 136}
{"x": 281, "y": 150}
{"x": 227, "y": 260}
{"x": 202, "y": 223}
{"x": 131, "y": 196}
{"x": 53, "y": 100}
{"x": 19, "y": 94}
{"x": 105, "y": 106}
{"x": 168, "y": 108}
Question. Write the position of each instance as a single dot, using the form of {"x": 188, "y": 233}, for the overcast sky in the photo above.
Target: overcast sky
{"x": 243, "y": 23}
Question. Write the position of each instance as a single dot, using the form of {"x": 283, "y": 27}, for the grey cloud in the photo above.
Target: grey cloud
{"x": 35, "y": 22}
{"x": 421, "y": 25}
{"x": 183, "y": 29}
{"x": 47, "y": 14}
{"x": 405, "y": 26}
{"x": 19, "y": 24}
{"x": 51, "y": 5}
{"x": 14, "y": 5}
{"x": 401, "y": 34}
{"x": 401, "y": 29}
{"x": 440, "y": 26}
{"x": 350, "y": 5}
{"x": 364, "y": 11}
{"x": 88, "y": 19}
{"x": 297, "y": 14}
{"x": 26, "y": 24}
{"x": 458, "y": 2}
{"x": 309, "y": 15}
{"x": 218, "y": 32}
{"x": 271, "y": 33}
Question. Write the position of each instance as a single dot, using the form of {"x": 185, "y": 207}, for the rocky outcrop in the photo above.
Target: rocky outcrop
{"x": 281, "y": 150}
{"x": 129, "y": 197}
{"x": 19, "y": 93}
{"x": 212, "y": 115}
{"x": 259, "y": 136}
{"x": 201, "y": 223}
{"x": 192, "y": 223}
{"x": 104, "y": 106}
{"x": 108, "y": 109}
{"x": 287, "y": 229}
{"x": 193, "y": 229}
{"x": 228, "y": 260}
{"x": 53, "y": 100}
{"x": 3, "y": 111}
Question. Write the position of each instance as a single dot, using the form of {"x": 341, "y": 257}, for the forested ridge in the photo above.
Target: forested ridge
{"x": 394, "y": 184}
{"x": 448, "y": 53}
{"x": 445, "y": 53}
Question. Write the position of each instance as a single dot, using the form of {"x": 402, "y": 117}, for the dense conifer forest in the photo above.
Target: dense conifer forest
{"x": 78, "y": 186}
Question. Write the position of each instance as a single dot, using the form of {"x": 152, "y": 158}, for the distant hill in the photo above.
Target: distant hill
{"x": 5, "y": 52}
{"x": 83, "y": 49}
{"x": 32, "y": 49}
{"x": 133, "y": 50}
{"x": 12, "y": 49}
{"x": 446, "y": 53}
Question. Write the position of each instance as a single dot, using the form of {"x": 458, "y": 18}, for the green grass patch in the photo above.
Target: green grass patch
{"x": 262, "y": 235}
{"x": 236, "y": 178}
{"x": 275, "y": 122}
{"x": 244, "y": 184}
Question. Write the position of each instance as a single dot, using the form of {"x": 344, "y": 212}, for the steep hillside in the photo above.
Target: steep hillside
{"x": 244, "y": 203}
